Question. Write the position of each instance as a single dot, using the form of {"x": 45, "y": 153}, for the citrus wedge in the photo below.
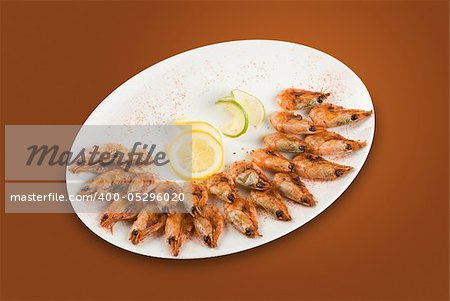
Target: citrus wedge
{"x": 238, "y": 121}
{"x": 196, "y": 155}
{"x": 203, "y": 126}
{"x": 252, "y": 106}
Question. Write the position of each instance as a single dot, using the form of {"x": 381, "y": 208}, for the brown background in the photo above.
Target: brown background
{"x": 385, "y": 238}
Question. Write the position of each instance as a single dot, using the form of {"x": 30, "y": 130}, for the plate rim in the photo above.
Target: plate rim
{"x": 136, "y": 76}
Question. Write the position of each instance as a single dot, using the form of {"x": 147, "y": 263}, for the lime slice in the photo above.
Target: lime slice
{"x": 196, "y": 155}
{"x": 252, "y": 105}
{"x": 203, "y": 126}
{"x": 238, "y": 123}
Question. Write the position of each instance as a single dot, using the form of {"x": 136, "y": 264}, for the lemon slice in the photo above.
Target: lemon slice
{"x": 238, "y": 123}
{"x": 196, "y": 155}
{"x": 252, "y": 105}
{"x": 203, "y": 126}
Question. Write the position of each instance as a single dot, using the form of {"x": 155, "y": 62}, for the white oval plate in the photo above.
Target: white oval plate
{"x": 188, "y": 84}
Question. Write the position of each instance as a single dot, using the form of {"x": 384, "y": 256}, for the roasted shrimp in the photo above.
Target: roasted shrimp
{"x": 291, "y": 123}
{"x": 120, "y": 210}
{"x": 112, "y": 181}
{"x": 317, "y": 168}
{"x": 329, "y": 115}
{"x": 222, "y": 185}
{"x": 328, "y": 143}
{"x": 209, "y": 225}
{"x": 296, "y": 99}
{"x": 167, "y": 188}
{"x": 291, "y": 187}
{"x": 91, "y": 162}
{"x": 249, "y": 175}
{"x": 139, "y": 161}
{"x": 142, "y": 183}
{"x": 147, "y": 222}
{"x": 178, "y": 227}
{"x": 286, "y": 143}
{"x": 242, "y": 214}
{"x": 271, "y": 201}
{"x": 197, "y": 201}
{"x": 272, "y": 160}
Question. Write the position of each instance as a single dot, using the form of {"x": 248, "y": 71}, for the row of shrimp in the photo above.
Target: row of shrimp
{"x": 316, "y": 141}
{"x": 204, "y": 220}
{"x": 308, "y": 162}
{"x": 265, "y": 194}
{"x": 166, "y": 218}
{"x": 160, "y": 217}
{"x": 197, "y": 216}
